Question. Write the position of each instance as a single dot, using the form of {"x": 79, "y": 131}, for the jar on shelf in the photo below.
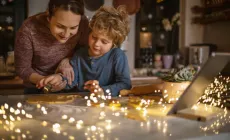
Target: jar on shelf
{"x": 2, "y": 64}
{"x": 157, "y": 61}
{"x": 10, "y": 62}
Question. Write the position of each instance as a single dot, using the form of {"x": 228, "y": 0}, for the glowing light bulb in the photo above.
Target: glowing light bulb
{"x": 38, "y": 106}
{"x": 78, "y": 126}
{"x": 64, "y": 117}
{"x": 71, "y": 138}
{"x": 71, "y": 120}
{"x": 11, "y": 109}
{"x": 44, "y": 123}
{"x": 19, "y": 105}
{"x": 6, "y": 106}
{"x": 93, "y": 128}
{"x": 23, "y": 112}
{"x": 17, "y": 130}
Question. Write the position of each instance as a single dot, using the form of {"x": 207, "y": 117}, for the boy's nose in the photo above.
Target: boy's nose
{"x": 97, "y": 43}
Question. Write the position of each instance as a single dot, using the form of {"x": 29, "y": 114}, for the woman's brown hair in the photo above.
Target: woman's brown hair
{"x": 112, "y": 22}
{"x": 75, "y": 6}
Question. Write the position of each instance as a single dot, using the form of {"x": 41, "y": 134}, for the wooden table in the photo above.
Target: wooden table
{"x": 11, "y": 86}
{"x": 15, "y": 86}
{"x": 105, "y": 123}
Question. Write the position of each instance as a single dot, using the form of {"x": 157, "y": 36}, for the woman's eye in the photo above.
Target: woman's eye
{"x": 73, "y": 28}
{"x": 59, "y": 26}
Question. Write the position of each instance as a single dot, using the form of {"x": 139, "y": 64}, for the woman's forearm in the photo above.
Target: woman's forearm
{"x": 35, "y": 77}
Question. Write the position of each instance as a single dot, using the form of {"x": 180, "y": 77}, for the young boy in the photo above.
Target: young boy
{"x": 101, "y": 67}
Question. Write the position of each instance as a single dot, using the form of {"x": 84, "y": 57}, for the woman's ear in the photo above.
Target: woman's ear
{"x": 48, "y": 16}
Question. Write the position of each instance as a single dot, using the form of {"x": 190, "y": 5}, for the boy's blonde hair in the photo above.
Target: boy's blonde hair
{"x": 111, "y": 22}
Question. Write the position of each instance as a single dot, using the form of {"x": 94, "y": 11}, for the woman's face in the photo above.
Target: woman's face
{"x": 64, "y": 25}
{"x": 99, "y": 44}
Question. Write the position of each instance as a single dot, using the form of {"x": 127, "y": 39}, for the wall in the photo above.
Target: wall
{"x": 215, "y": 33}
{"x": 36, "y": 6}
{"x": 190, "y": 33}
{"x": 218, "y": 33}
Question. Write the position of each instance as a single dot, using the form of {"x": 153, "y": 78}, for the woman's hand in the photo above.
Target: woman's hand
{"x": 55, "y": 80}
{"x": 59, "y": 87}
{"x": 66, "y": 69}
{"x": 93, "y": 87}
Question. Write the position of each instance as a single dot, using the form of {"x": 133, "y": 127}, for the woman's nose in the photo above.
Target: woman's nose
{"x": 67, "y": 33}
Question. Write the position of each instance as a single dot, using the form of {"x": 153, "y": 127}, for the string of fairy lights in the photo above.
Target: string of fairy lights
{"x": 214, "y": 95}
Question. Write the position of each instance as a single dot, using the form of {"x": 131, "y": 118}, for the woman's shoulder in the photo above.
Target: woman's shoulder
{"x": 35, "y": 23}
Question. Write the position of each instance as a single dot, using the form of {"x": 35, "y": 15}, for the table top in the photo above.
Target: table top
{"x": 76, "y": 120}
{"x": 18, "y": 82}
{"x": 11, "y": 83}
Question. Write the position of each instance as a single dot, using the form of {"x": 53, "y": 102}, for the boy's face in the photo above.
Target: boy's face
{"x": 99, "y": 44}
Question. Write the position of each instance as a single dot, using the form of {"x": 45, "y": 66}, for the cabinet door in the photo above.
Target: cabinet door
{"x": 150, "y": 32}
{"x": 12, "y": 15}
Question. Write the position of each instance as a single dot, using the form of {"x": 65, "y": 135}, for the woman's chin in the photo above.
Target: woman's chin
{"x": 62, "y": 41}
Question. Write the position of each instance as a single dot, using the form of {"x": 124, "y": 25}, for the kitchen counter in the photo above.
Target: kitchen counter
{"x": 18, "y": 83}
{"x": 11, "y": 86}
{"x": 75, "y": 120}
{"x": 15, "y": 86}
{"x": 11, "y": 83}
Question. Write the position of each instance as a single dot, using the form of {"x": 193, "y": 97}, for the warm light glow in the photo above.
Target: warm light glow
{"x": 19, "y": 105}
{"x": 71, "y": 120}
{"x": 44, "y": 123}
{"x": 64, "y": 117}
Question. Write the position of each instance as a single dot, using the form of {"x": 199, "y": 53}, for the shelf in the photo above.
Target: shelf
{"x": 209, "y": 20}
{"x": 6, "y": 9}
{"x": 214, "y": 3}
{"x": 215, "y": 11}
{"x": 207, "y": 10}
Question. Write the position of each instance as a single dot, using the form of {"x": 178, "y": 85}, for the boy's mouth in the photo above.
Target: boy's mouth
{"x": 95, "y": 49}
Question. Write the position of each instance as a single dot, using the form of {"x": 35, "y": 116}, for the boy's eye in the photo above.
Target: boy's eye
{"x": 104, "y": 42}
{"x": 94, "y": 37}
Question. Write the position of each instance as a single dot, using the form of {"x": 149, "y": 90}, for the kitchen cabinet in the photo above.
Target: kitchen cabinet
{"x": 151, "y": 37}
{"x": 12, "y": 14}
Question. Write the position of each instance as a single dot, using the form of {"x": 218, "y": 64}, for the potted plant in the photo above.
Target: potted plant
{"x": 171, "y": 27}
{"x": 175, "y": 82}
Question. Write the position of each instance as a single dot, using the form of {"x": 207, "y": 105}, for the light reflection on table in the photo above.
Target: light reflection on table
{"x": 20, "y": 120}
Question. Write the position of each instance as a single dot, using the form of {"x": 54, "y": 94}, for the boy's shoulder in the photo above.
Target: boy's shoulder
{"x": 117, "y": 52}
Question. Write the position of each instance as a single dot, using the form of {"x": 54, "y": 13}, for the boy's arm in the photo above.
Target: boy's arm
{"x": 66, "y": 69}
{"x": 73, "y": 63}
{"x": 122, "y": 76}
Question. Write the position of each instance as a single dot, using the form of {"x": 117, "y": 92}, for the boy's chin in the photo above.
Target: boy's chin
{"x": 96, "y": 55}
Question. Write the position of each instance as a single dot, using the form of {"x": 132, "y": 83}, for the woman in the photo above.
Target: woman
{"x": 44, "y": 40}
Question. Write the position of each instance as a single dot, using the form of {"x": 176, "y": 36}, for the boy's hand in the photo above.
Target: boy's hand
{"x": 93, "y": 87}
{"x": 67, "y": 70}
{"x": 54, "y": 80}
